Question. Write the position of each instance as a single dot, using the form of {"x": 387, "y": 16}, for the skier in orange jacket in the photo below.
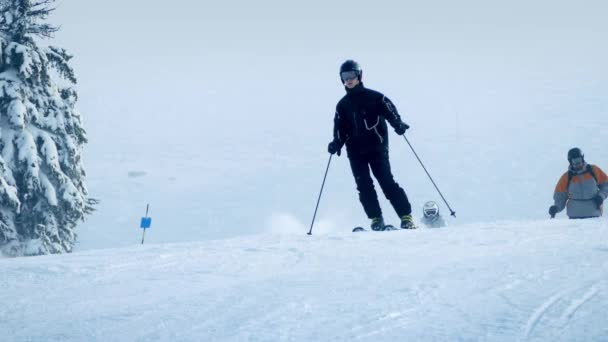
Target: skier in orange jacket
{"x": 581, "y": 190}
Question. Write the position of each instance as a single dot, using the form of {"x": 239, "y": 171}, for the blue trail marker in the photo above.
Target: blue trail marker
{"x": 146, "y": 222}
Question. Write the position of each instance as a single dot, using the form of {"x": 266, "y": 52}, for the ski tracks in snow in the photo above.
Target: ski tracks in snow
{"x": 558, "y": 310}
{"x": 578, "y": 303}
{"x": 501, "y": 282}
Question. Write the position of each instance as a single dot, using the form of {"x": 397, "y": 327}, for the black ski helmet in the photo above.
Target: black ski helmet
{"x": 575, "y": 153}
{"x": 351, "y": 65}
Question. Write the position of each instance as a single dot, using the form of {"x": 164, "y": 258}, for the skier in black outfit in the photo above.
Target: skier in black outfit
{"x": 360, "y": 124}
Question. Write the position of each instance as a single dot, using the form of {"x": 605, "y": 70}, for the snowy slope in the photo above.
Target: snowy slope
{"x": 537, "y": 280}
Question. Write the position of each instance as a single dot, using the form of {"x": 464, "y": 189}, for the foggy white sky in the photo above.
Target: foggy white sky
{"x": 142, "y": 60}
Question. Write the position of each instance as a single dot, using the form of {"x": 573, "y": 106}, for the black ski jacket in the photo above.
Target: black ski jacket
{"x": 360, "y": 121}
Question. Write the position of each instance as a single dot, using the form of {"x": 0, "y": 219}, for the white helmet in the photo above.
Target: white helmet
{"x": 430, "y": 209}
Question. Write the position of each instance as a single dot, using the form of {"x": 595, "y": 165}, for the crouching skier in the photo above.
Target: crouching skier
{"x": 360, "y": 123}
{"x": 582, "y": 189}
{"x": 431, "y": 217}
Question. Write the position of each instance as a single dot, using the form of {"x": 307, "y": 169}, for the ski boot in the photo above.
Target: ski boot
{"x": 377, "y": 223}
{"x": 407, "y": 222}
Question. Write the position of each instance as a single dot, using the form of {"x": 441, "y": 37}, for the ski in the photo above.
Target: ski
{"x": 386, "y": 228}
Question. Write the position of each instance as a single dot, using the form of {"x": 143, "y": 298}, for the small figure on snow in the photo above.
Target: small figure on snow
{"x": 430, "y": 215}
{"x": 360, "y": 124}
{"x": 581, "y": 190}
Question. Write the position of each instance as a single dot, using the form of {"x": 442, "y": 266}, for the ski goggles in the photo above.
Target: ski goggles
{"x": 430, "y": 212}
{"x": 576, "y": 161}
{"x": 349, "y": 75}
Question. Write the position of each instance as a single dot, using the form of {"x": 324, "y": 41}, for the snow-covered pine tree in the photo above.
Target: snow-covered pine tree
{"x": 42, "y": 180}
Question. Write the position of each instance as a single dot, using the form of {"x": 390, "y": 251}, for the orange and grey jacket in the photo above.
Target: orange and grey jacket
{"x": 578, "y": 196}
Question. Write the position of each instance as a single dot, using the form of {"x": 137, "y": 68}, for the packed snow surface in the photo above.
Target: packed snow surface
{"x": 504, "y": 281}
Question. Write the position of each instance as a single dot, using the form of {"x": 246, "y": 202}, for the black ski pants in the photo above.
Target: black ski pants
{"x": 379, "y": 164}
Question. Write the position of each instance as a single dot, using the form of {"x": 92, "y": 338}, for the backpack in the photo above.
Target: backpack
{"x": 589, "y": 169}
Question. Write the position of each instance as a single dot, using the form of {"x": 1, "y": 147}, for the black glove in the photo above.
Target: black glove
{"x": 552, "y": 211}
{"x": 334, "y": 147}
{"x": 599, "y": 200}
{"x": 401, "y": 128}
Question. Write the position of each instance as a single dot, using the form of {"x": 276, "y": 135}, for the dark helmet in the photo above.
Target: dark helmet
{"x": 351, "y": 65}
{"x": 575, "y": 153}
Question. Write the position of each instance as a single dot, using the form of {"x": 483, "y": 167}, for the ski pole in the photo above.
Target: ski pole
{"x": 452, "y": 212}
{"x": 319, "y": 199}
